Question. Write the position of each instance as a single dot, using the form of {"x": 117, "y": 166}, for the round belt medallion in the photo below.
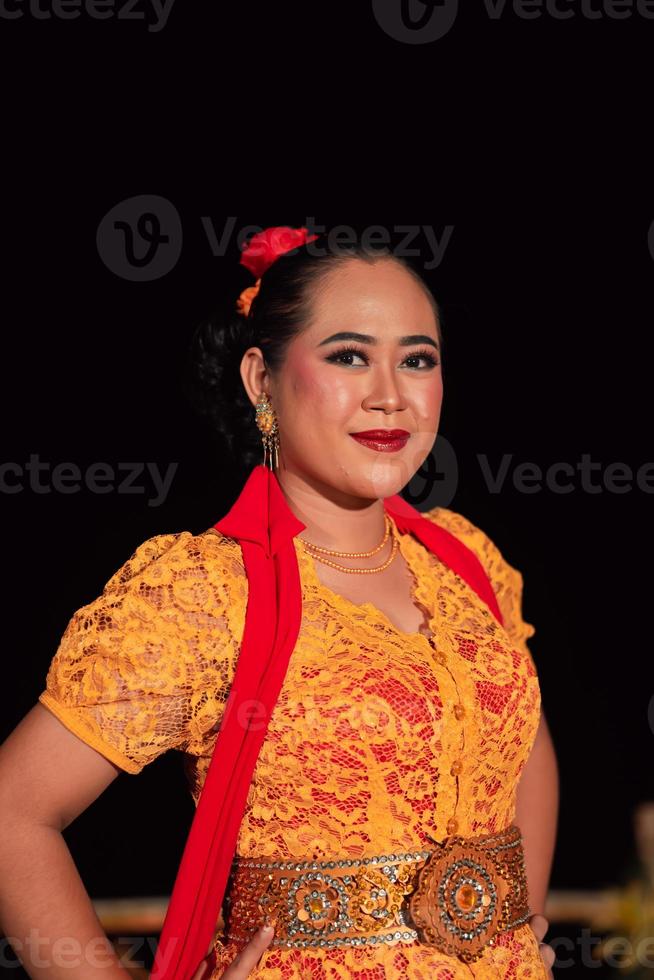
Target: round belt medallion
{"x": 459, "y": 901}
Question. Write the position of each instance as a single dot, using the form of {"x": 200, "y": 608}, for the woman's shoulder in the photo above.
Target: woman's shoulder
{"x": 175, "y": 553}
{"x": 467, "y": 532}
{"x": 451, "y": 519}
{"x": 141, "y": 667}
{"x": 507, "y": 581}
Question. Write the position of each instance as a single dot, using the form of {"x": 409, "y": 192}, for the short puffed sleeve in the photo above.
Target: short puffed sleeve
{"x": 145, "y": 666}
{"x": 507, "y": 581}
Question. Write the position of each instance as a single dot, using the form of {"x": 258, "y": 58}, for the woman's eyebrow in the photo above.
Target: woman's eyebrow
{"x": 365, "y": 338}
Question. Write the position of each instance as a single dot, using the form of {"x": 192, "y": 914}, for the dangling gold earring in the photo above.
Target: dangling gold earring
{"x": 267, "y": 423}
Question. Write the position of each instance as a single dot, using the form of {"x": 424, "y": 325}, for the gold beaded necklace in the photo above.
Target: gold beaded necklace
{"x": 316, "y": 552}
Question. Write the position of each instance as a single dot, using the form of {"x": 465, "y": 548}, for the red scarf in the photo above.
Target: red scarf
{"x": 264, "y": 525}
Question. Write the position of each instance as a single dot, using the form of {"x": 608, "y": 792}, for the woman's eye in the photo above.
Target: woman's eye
{"x": 338, "y": 356}
{"x": 429, "y": 358}
{"x": 346, "y": 353}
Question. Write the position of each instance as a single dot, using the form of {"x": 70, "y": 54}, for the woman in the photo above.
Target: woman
{"x": 408, "y": 716}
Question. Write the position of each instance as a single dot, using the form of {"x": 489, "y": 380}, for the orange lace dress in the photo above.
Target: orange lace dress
{"x": 378, "y": 738}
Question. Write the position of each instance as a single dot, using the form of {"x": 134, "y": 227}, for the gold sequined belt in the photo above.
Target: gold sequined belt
{"x": 457, "y": 897}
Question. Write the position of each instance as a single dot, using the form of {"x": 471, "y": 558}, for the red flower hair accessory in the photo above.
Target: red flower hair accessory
{"x": 260, "y": 253}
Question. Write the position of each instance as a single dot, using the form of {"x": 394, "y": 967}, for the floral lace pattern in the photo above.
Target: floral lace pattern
{"x": 380, "y": 739}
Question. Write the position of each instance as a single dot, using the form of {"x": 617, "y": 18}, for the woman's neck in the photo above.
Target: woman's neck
{"x": 333, "y": 519}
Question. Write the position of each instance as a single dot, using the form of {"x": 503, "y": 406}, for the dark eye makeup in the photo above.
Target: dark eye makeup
{"x": 426, "y": 354}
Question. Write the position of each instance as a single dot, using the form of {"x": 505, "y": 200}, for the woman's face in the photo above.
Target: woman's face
{"x": 320, "y": 396}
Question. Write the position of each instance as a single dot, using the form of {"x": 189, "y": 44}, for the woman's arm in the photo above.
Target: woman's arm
{"x": 537, "y": 806}
{"x": 48, "y": 777}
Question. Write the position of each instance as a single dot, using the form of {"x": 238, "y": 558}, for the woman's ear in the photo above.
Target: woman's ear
{"x": 254, "y": 373}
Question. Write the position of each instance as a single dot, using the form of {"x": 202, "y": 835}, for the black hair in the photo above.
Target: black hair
{"x": 212, "y": 379}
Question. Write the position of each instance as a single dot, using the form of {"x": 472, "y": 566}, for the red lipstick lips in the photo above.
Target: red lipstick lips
{"x": 382, "y": 440}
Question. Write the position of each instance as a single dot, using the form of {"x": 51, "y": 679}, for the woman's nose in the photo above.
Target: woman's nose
{"x": 385, "y": 391}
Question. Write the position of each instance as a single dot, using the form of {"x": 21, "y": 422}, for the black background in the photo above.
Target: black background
{"x": 527, "y": 137}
